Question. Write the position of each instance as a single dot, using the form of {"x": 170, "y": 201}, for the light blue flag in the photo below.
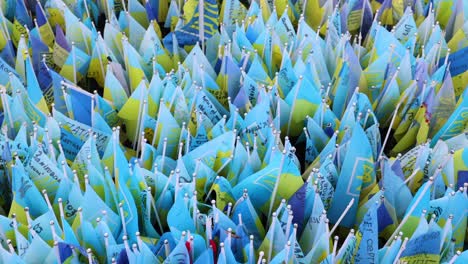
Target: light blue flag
{"x": 179, "y": 254}
{"x": 113, "y": 251}
{"x": 209, "y": 106}
{"x": 231, "y": 73}
{"x": 453, "y": 126}
{"x": 424, "y": 247}
{"x": 396, "y": 192}
{"x": 113, "y": 90}
{"x": 347, "y": 250}
{"x": 146, "y": 255}
{"x": 108, "y": 114}
{"x": 25, "y": 193}
{"x": 129, "y": 209}
{"x": 316, "y": 134}
{"x": 226, "y": 256}
{"x": 388, "y": 254}
{"x": 37, "y": 252}
{"x": 274, "y": 241}
{"x": 68, "y": 234}
{"x": 304, "y": 99}
{"x": 221, "y": 223}
{"x": 22, "y": 244}
{"x": 357, "y": 167}
{"x": 80, "y": 104}
{"x": 88, "y": 155}
{"x": 93, "y": 206}
{"x": 257, "y": 121}
{"x": 463, "y": 258}
{"x": 457, "y": 207}
{"x": 89, "y": 238}
{"x": 264, "y": 181}
{"x": 5, "y": 67}
{"x": 179, "y": 217}
{"x": 34, "y": 91}
{"x": 257, "y": 70}
{"x": 383, "y": 40}
{"x": 8, "y": 257}
{"x": 419, "y": 203}
{"x": 205, "y": 257}
{"x": 250, "y": 219}
{"x": 44, "y": 173}
{"x": 314, "y": 222}
{"x": 167, "y": 128}
{"x": 41, "y": 226}
{"x": 385, "y": 104}
{"x": 76, "y": 65}
{"x": 369, "y": 244}
{"x": 406, "y": 26}
{"x": 321, "y": 246}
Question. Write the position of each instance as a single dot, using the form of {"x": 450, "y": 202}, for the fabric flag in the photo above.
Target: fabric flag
{"x": 179, "y": 254}
{"x": 425, "y": 247}
{"x": 456, "y": 122}
{"x": 250, "y": 219}
{"x": 367, "y": 237}
{"x": 274, "y": 239}
{"x": 419, "y": 203}
{"x": 75, "y": 65}
{"x": 303, "y": 100}
{"x": 25, "y": 194}
{"x": 45, "y": 30}
{"x": 356, "y": 172}
{"x": 131, "y": 111}
{"x": 199, "y": 14}
{"x": 280, "y": 170}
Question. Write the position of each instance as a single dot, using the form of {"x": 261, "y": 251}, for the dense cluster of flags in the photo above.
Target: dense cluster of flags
{"x": 197, "y": 131}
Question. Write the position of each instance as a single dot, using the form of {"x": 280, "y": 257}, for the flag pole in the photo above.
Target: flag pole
{"x": 152, "y": 201}
{"x": 195, "y": 210}
{"x": 211, "y": 189}
{"x": 122, "y": 218}
{"x": 411, "y": 209}
{"x": 5, "y": 27}
{"x": 288, "y": 249}
{"x": 141, "y": 132}
{"x": 10, "y": 247}
{"x": 167, "y": 248}
{"x": 57, "y": 251}
{"x": 6, "y": 106}
{"x": 260, "y": 257}
{"x": 38, "y": 32}
{"x": 389, "y": 129}
{"x": 126, "y": 245}
{"x": 457, "y": 254}
{"x": 165, "y": 188}
{"x": 52, "y": 230}
{"x": 98, "y": 50}
{"x": 275, "y": 189}
{"x": 161, "y": 101}
{"x": 74, "y": 63}
{"x": 294, "y": 103}
{"x": 140, "y": 110}
{"x": 335, "y": 246}
{"x": 411, "y": 176}
{"x": 348, "y": 207}
{"x": 402, "y": 248}
{"x": 201, "y": 23}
